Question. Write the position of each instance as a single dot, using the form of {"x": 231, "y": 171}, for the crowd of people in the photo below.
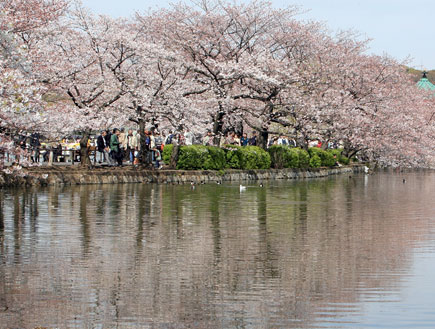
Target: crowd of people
{"x": 117, "y": 147}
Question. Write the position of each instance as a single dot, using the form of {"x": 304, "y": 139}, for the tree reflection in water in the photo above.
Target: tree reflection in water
{"x": 290, "y": 254}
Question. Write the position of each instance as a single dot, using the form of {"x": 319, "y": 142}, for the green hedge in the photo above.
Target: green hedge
{"x": 315, "y": 161}
{"x": 304, "y": 158}
{"x": 285, "y": 157}
{"x": 247, "y": 157}
{"x": 193, "y": 157}
{"x": 326, "y": 158}
{"x": 199, "y": 157}
{"x": 167, "y": 152}
{"x": 340, "y": 157}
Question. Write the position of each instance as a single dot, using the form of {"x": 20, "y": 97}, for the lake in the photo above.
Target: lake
{"x": 341, "y": 252}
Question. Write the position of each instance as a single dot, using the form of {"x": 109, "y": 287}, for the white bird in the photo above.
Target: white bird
{"x": 242, "y": 188}
{"x": 366, "y": 169}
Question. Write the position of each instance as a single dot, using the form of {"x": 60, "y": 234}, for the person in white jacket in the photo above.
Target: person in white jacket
{"x": 130, "y": 145}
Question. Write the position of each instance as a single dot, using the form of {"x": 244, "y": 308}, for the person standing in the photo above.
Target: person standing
{"x": 208, "y": 139}
{"x": 115, "y": 149}
{"x": 188, "y": 136}
{"x": 169, "y": 138}
{"x": 237, "y": 140}
{"x": 158, "y": 147}
{"x": 229, "y": 139}
{"x": 131, "y": 145}
{"x": 282, "y": 140}
{"x": 35, "y": 144}
{"x": 180, "y": 139}
{"x": 253, "y": 139}
{"x": 102, "y": 148}
{"x": 244, "y": 140}
{"x": 122, "y": 137}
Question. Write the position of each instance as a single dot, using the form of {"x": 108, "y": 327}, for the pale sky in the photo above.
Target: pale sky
{"x": 400, "y": 28}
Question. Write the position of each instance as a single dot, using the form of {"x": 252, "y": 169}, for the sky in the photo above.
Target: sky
{"x": 399, "y": 28}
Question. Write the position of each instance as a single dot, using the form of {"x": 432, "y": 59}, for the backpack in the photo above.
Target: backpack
{"x": 169, "y": 139}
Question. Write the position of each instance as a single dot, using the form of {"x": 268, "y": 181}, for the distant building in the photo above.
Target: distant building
{"x": 425, "y": 84}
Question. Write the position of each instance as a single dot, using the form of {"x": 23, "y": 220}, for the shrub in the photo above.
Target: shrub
{"x": 285, "y": 157}
{"x": 232, "y": 156}
{"x": 194, "y": 157}
{"x": 326, "y": 158}
{"x": 304, "y": 158}
{"x": 315, "y": 161}
{"x": 281, "y": 157}
{"x": 167, "y": 152}
{"x": 216, "y": 160}
{"x": 247, "y": 157}
{"x": 339, "y": 154}
{"x": 254, "y": 157}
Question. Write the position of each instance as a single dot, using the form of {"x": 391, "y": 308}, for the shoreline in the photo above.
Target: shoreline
{"x": 51, "y": 176}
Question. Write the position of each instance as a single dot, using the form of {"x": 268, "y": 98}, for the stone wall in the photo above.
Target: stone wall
{"x": 43, "y": 176}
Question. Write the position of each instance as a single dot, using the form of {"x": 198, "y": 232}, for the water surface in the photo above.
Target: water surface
{"x": 341, "y": 252}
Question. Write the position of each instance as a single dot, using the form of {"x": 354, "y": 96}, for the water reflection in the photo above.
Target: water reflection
{"x": 290, "y": 255}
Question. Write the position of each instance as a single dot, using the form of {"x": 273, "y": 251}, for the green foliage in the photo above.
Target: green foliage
{"x": 315, "y": 161}
{"x": 232, "y": 156}
{"x": 254, "y": 157}
{"x": 199, "y": 157}
{"x": 280, "y": 157}
{"x": 247, "y": 157}
{"x": 166, "y": 154}
{"x": 216, "y": 160}
{"x": 344, "y": 160}
{"x": 304, "y": 158}
{"x": 327, "y": 159}
{"x": 285, "y": 157}
{"x": 339, "y": 156}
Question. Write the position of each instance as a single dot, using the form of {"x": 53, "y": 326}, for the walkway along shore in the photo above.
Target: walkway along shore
{"x": 45, "y": 176}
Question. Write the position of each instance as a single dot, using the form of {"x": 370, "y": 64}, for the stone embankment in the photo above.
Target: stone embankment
{"x": 44, "y": 176}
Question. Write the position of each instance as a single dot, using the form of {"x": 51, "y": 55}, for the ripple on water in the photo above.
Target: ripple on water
{"x": 326, "y": 253}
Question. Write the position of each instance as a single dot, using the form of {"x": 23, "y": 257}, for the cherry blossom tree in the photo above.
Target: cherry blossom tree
{"x": 260, "y": 65}
{"x": 153, "y": 79}
{"x": 21, "y": 104}
{"x": 212, "y": 65}
{"x": 75, "y": 60}
{"x": 213, "y": 38}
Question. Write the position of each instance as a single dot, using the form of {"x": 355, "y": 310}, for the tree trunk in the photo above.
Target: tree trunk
{"x": 239, "y": 128}
{"x": 174, "y": 156}
{"x": 262, "y": 139}
{"x": 348, "y": 150}
{"x": 217, "y": 126}
{"x": 2, "y": 220}
{"x": 84, "y": 150}
{"x": 144, "y": 152}
{"x": 302, "y": 141}
{"x": 351, "y": 154}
